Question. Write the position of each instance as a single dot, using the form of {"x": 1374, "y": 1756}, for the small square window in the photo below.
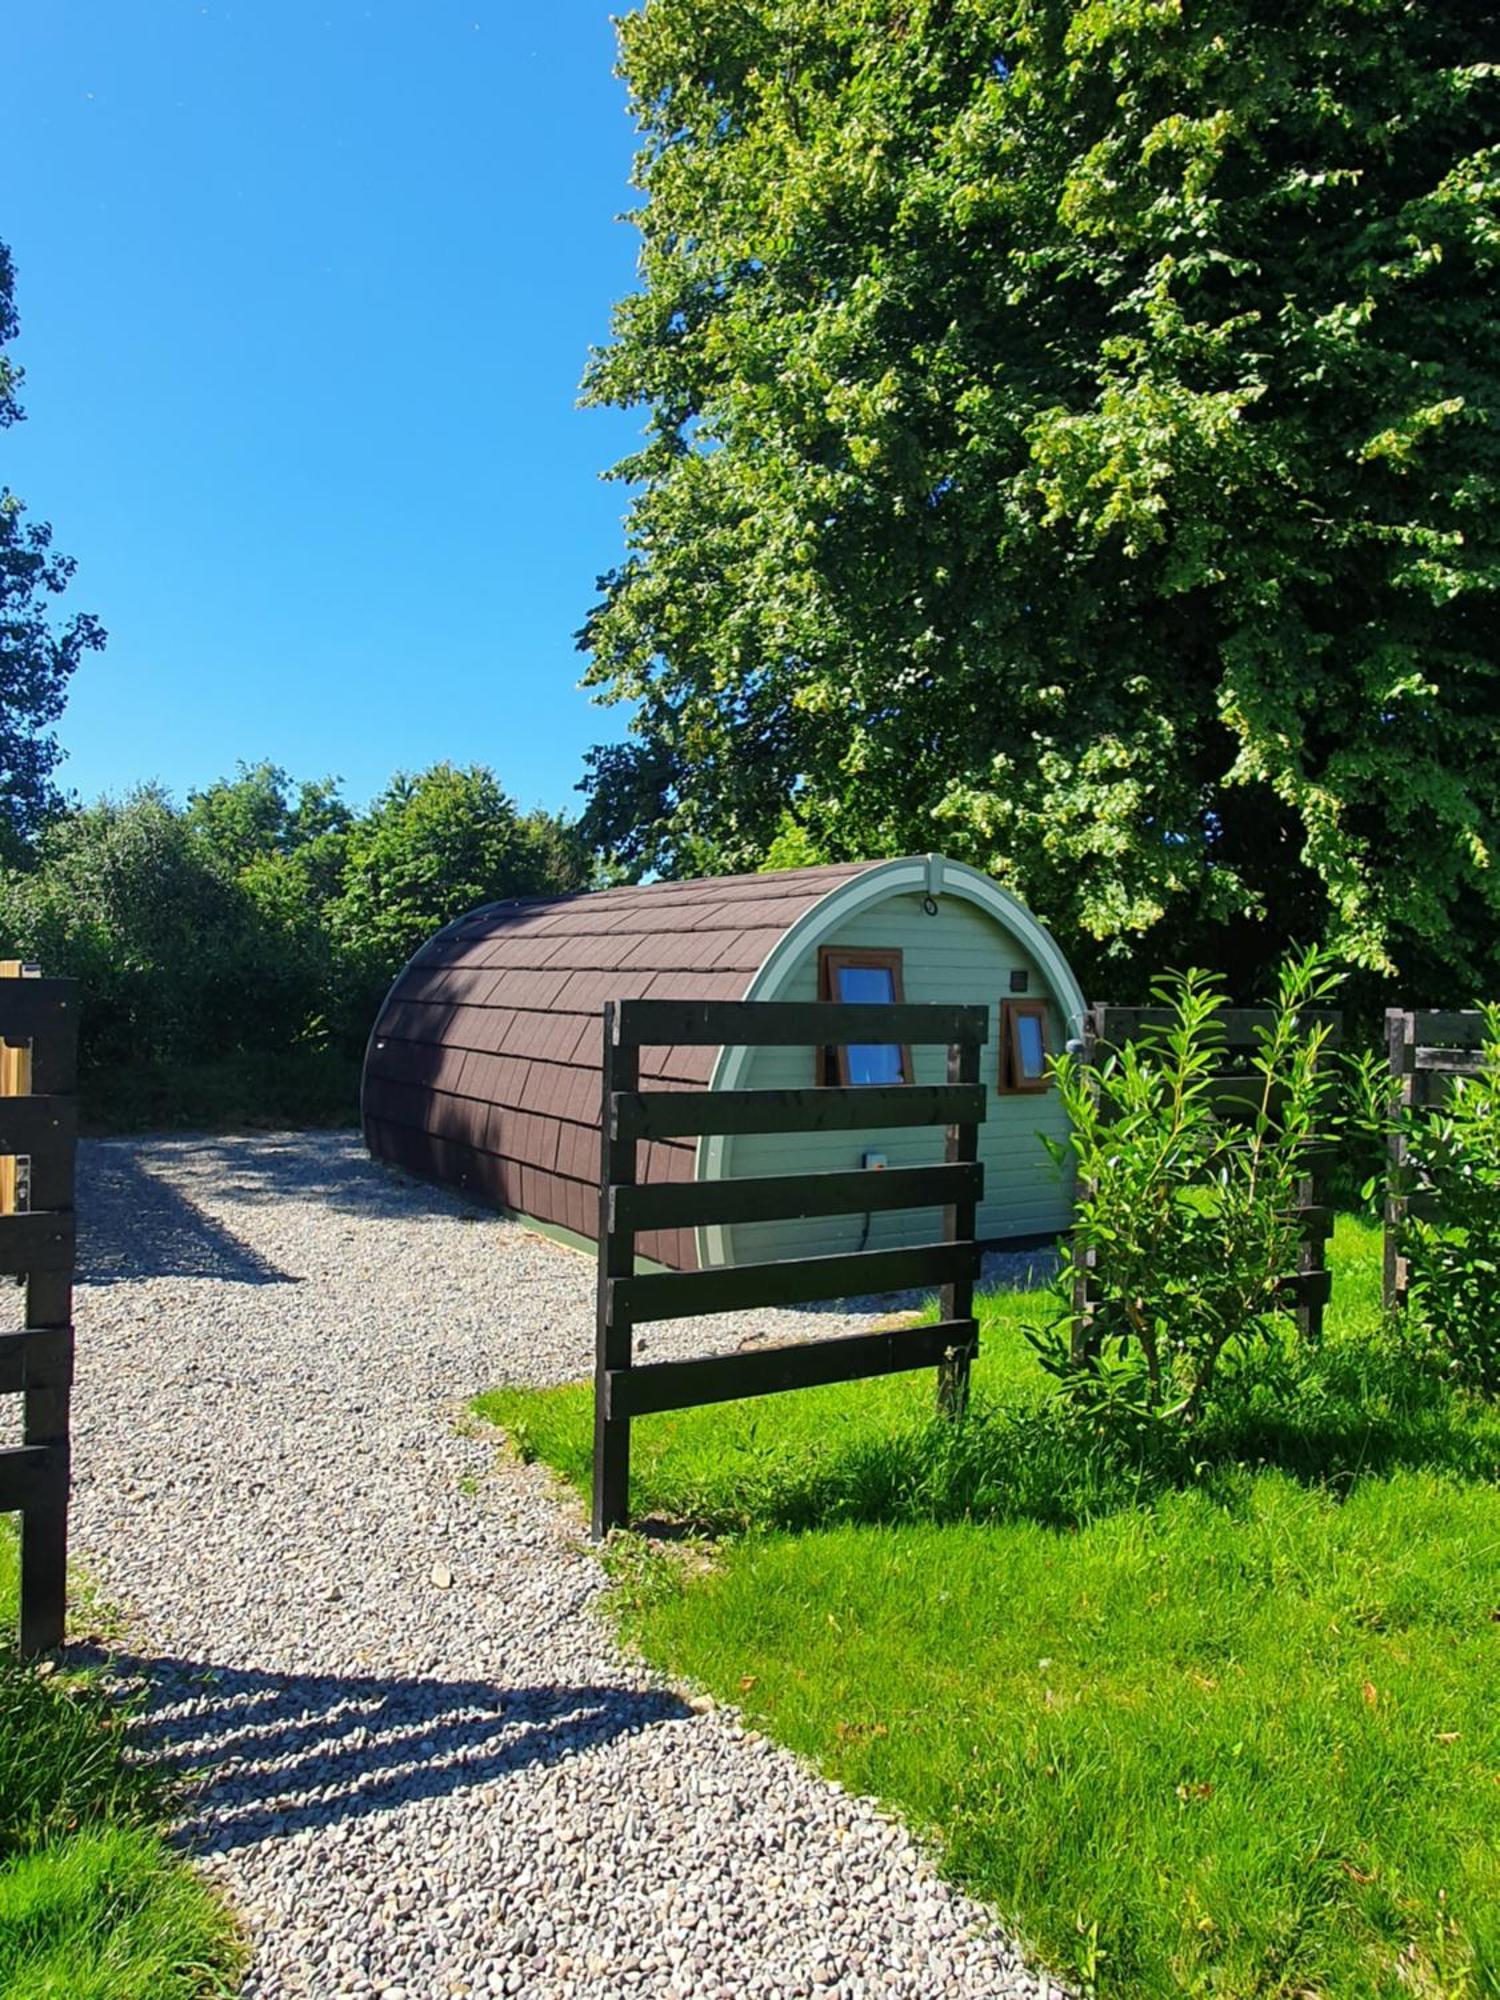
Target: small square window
{"x": 873, "y": 977}
{"x": 1023, "y": 1046}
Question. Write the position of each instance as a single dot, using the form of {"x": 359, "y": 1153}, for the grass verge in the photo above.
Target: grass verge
{"x": 1228, "y": 1726}
{"x": 94, "y": 1905}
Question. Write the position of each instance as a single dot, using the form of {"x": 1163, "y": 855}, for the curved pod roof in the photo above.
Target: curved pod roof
{"x": 483, "y": 1068}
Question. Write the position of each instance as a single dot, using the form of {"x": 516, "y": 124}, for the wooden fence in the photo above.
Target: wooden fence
{"x": 1237, "y": 1092}
{"x": 38, "y": 1142}
{"x": 1427, "y": 1050}
{"x": 631, "y": 1117}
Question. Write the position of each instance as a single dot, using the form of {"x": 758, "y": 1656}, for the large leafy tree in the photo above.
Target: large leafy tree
{"x": 435, "y": 845}
{"x": 1072, "y": 443}
{"x": 37, "y": 656}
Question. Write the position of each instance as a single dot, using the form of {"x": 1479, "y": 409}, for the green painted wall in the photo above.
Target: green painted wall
{"x": 962, "y": 954}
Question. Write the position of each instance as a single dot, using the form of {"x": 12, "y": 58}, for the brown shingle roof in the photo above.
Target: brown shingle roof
{"x": 483, "y": 1070}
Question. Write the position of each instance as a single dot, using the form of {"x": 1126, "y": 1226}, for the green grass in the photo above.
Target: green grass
{"x": 1222, "y": 1727}
{"x": 94, "y": 1905}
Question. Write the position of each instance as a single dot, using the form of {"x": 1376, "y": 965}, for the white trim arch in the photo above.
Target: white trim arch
{"x": 930, "y": 874}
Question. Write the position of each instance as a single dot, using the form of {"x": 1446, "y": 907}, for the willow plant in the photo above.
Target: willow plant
{"x": 1186, "y": 1226}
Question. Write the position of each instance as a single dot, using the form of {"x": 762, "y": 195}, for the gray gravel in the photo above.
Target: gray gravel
{"x": 427, "y": 1769}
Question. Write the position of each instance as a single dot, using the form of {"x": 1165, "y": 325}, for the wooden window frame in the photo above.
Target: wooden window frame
{"x": 833, "y": 1063}
{"x": 1011, "y": 1083}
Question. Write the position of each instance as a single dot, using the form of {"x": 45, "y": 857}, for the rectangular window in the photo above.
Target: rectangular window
{"x": 868, "y": 976}
{"x": 1023, "y": 1045}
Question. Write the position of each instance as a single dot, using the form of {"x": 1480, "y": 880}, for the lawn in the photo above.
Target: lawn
{"x": 1223, "y": 1727}
{"x": 94, "y": 1905}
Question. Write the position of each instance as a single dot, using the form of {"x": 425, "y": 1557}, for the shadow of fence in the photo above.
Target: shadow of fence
{"x": 132, "y": 1224}
{"x": 270, "y": 1754}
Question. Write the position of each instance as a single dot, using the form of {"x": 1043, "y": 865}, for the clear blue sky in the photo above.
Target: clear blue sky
{"x": 306, "y": 291}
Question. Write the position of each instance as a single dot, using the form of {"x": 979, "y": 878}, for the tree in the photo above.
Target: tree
{"x": 175, "y": 961}
{"x": 257, "y": 813}
{"x": 435, "y": 845}
{"x": 36, "y": 660}
{"x": 1071, "y": 443}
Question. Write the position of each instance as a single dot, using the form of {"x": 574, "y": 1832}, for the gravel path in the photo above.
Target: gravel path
{"x": 428, "y": 1770}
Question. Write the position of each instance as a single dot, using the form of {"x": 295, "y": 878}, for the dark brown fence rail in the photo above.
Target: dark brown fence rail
{"x": 1427, "y": 1050}
{"x": 1237, "y": 1092}
{"x": 630, "y": 1116}
{"x": 38, "y": 1135}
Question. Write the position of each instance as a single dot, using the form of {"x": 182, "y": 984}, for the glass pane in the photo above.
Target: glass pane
{"x": 874, "y": 1062}
{"x": 1030, "y": 1048}
{"x": 867, "y": 982}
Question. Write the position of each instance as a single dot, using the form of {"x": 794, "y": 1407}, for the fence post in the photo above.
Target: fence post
{"x": 1400, "y": 1042}
{"x": 959, "y": 1222}
{"x": 612, "y": 1347}
{"x": 1080, "y": 1334}
{"x": 50, "y": 1069}
{"x": 15, "y": 1081}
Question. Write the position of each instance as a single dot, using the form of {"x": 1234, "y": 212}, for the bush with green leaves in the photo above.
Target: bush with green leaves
{"x": 1185, "y": 1225}
{"x": 175, "y": 961}
{"x": 1453, "y": 1253}
{"x": 232, "y": 953}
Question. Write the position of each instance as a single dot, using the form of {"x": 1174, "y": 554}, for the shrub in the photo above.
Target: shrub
{"x": 175, "y": 960}
{"x": 1453, "y": 1258}
{"x": 1185, "y": 1221}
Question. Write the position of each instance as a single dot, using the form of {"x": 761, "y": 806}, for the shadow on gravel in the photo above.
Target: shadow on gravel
{"x": 324, "y": 1169}
{"x": 272, "y": 1754}
{"x": 133, "y": 1225}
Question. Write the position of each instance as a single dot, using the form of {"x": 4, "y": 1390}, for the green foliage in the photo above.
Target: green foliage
{"x": 1069, "y": 445}
{"x": 1232, "y": 1746}
{"x": 112, "y": 1915}
{"x": 37, "y": 660}
{"x": 174, "y": 959}
{"x": 94, "y": 1905}
{"x": 1453, "y": 1258}
{"x": 1216, "y": 1718}
{"x": 257, "y": 815}
{"x": 433, "y": 846}
{"x": 1184, "y": 1225}
{"x": 1364, "y": 1403}
{"x": 232, "y": 954}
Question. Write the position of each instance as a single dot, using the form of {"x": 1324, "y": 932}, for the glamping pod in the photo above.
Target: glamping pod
{"x": 483, "y": 1070}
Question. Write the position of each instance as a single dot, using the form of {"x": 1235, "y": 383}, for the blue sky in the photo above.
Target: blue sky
{"x": 306, "y": 291}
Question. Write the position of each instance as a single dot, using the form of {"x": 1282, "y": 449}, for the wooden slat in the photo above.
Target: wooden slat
{"x": 36, "y": 1242}
{"x": 776, "y": 1024}
{"x": 1297, "y": 1288}
{"x": 1307, "y": 1288}
{"x": 791, "y": 1281}
{"x": 1432, "y": 1088}
{"x": 30, "y": 1474}
{"x": 763, "y": 1371}
{"x": 1452, "y": 1062}
{"x": 1243, "y": 1095}
{"x": 1464, "y": 1029}
{"x": 36, "y": 1358}
{"x": 32, "y": 1007}
{"x": 783, "y": 1197}
{"x": 1315, "y": 1221}
{"x": 678, "y": 1114}
{"x": 30, "y": 1124}
{"x": 1236, "y": 1025}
